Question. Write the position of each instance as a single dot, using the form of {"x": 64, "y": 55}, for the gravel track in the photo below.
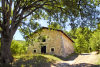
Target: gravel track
{"x": 82, "y": 60}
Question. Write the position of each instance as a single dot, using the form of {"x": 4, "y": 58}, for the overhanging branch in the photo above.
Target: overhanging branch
{"x": 26, "y": 25}
{"x": 31, "y": 12}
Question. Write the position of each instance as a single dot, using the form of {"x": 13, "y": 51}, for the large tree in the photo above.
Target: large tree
{"x": 14, "y": 13}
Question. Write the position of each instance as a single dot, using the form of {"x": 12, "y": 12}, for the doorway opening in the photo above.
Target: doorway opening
{"x": 43, "y": 49}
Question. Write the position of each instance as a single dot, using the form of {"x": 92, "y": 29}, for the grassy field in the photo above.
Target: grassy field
{"x": 38, "y": 60}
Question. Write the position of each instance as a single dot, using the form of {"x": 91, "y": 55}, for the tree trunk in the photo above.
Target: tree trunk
{"x": 6, "y": 55}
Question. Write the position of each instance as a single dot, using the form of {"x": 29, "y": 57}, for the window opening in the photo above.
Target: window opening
{"x": 43, "y": 40}
{"x": 52, "y": 49}
{"x": 34, "y": 51}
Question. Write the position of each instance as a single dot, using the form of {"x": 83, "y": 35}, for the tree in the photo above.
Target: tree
{"x": 18, "y": 47}
{"x": 95, "y": 41}
{"x": 14, "y": 13}
{"x": 15, "y": 47}
{"x": 86, "y": 10}
{"x": 81, "y": 38}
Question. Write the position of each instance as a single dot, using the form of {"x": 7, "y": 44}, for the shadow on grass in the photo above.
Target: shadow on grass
{"x": 33, "y": 61}
{"x": 41, "y": 61}
{"x": 75, "y": 65}
{"x": 95, "y": 66}
{"x": 68, "y": 58}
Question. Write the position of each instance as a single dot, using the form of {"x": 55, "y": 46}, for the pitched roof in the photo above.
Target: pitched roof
{"x": 58, "y": 30}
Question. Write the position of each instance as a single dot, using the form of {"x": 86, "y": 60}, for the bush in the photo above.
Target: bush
{"x": 95, "y": 41}
{"x": 18, "y": 48}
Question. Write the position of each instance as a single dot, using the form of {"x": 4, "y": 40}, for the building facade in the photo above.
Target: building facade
{"x": 56, "y": 42}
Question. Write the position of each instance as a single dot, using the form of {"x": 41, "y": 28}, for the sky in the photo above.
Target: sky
{"x": 43, "y": 23}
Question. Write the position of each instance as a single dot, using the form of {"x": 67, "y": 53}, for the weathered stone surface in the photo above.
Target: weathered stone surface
{"x": 62, "y": 45}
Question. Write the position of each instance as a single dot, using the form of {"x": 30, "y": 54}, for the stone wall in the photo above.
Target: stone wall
{"x": 68, "y": 45}
{"x": 55, "y": 39}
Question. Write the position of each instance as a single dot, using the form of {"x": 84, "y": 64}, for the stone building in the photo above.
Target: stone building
{"x": 56, "y": 42}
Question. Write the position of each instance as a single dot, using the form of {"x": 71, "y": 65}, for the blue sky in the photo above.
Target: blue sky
{"x": 18, "y": 35}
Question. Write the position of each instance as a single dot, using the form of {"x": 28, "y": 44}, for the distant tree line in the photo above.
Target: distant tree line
{"x": 18, "y": 47}
{"x": 86, "y": 39}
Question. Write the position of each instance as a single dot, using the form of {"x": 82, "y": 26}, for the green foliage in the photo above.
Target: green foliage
{"x": 85, "y": 39}
{"x": 55, "y": 25}
{"x": 14, "y": 15}
{"x": 95, "y": 41}
{"x": 81, "y": 45}
{"x": 18, "y": 48}
{"x": 81, "y": 38}
{"x": 57, "y": 12}
{"x": 79, "y": 12}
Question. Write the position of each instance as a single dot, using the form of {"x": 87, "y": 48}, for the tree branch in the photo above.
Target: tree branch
{"x": 31, "y": 12}
{"x": 10, "y": 5}
{"x": 20, "y": 16}
{"x": 26, "y": 8}
{"x": 15, "y": 25}
{"x": 40, "y": 6}
{"x": 8, "y": 2}
{"x": 14, "y": 14}
{"x": 3, "y": 11}
{"x": 8, "y": 14}
{"x": 15, "y": 10}
{"x": 30, "y": 6}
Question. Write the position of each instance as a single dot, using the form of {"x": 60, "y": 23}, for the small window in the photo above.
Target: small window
{"x": 34, "y": 51}
{"x": 44, "y": 40}
{"x": 52, "y": 49}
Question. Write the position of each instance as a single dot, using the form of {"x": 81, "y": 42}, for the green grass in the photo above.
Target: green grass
{"x": 37, "y": 60}
{"x": 50, "y": 57}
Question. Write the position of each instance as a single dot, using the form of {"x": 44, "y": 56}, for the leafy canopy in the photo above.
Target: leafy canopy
{"x": 81, "y": 38}
{"x": 95, "y": 41}
{"x": 23, "y": 14}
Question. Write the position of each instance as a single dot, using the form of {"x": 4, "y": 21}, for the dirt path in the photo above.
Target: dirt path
{"x": 83, "y": 60}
